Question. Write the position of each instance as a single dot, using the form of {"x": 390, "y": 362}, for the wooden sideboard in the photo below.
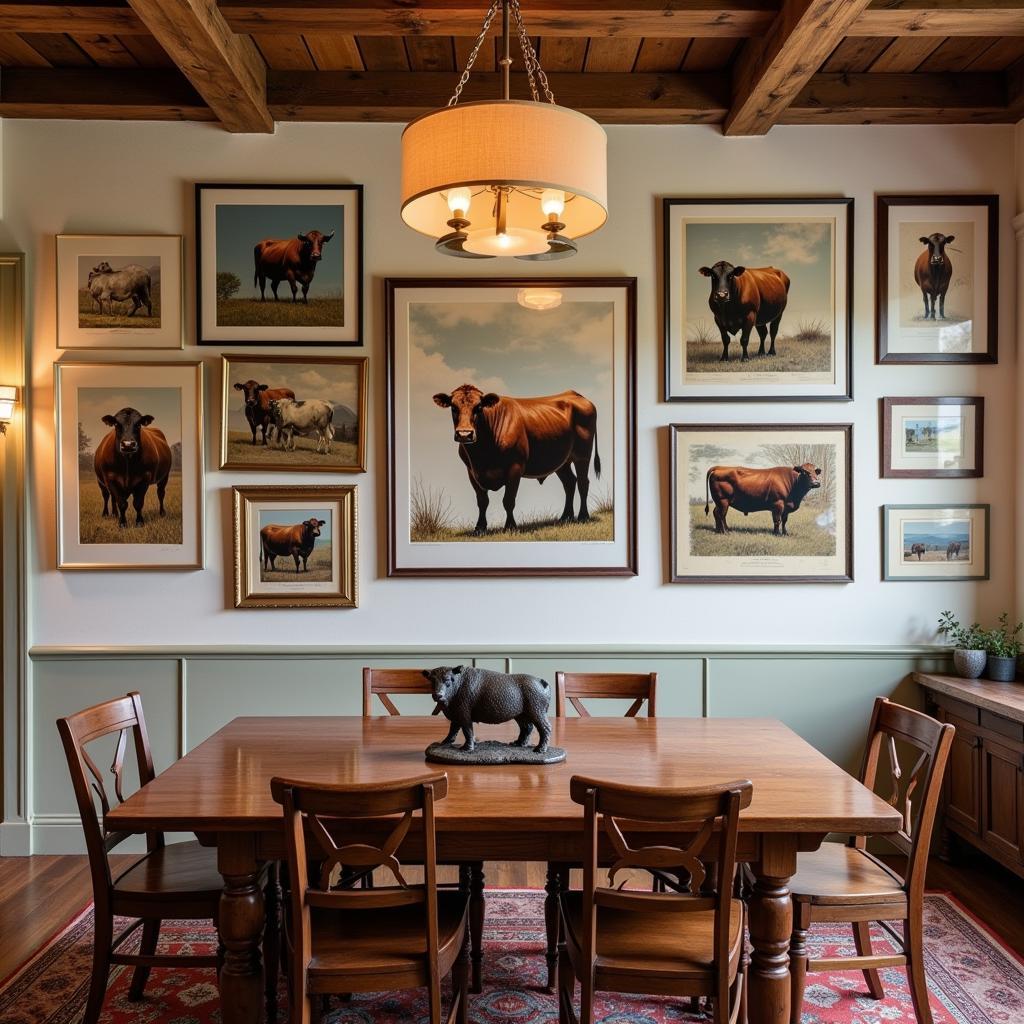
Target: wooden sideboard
{"x": 983, "y": 797}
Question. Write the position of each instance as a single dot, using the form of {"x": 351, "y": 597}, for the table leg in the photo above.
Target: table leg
{"x": 477, "y": 908}
{"x": 241, "y": 929}
{"x": 771, "y": 925}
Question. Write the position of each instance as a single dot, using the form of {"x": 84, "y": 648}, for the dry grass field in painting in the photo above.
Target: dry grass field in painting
{"x": 93, "y": 528}
{"x": 807, "y": 350}
{"x": 241, "y": 451}
{"x": 752, "y": 537}
{"x": 320, "y": 312}
{"x": 319, "y": 568}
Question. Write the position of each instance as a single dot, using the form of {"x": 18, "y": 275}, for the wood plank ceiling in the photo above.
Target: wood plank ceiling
{"x": 745, "y": 66}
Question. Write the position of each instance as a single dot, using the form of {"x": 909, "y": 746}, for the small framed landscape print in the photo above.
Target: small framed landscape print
{"x": 758, "y": 299}
{"x": 495, "y": 386}
{"x": 765, "y": 503}
{"x": 279, "y": 264}
{"x": 935, "y": 542}
{"x": 119, "y": 291}
{"x": 129, "y": 465}
{"x": 295, "y": 547}
{"x": 940, "y": 438}
{"x": 302, "y": 414}
{"x": 937, "y": 267}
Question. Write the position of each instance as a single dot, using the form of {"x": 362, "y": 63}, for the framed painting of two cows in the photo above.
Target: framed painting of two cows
{"x": 279, "y": 264}
{"x": 511, "y": 427}
{"x": 937, "y": 265}
{"x": 758, "y": 299}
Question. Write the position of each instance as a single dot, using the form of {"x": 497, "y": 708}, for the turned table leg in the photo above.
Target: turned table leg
{"x": 241, "y": 929}
{"x": 771, "y": 925}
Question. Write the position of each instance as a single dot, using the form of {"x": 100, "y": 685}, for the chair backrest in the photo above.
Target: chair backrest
{"x": 313, "y": 810}
{"x": 389, "y": 682}
{"x": 123, "y": 715}
{"x": 915, "y": 794}
{"x": 635, "y": 686}
{"x": 709, "y": 814}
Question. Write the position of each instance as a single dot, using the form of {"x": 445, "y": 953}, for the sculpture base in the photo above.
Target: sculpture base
{"x": 492, "y": 752}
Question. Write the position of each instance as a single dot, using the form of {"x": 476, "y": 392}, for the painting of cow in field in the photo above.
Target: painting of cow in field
{"x": 295, "y": 544}
{"x": 118, "y": 292}
{"x": 937, "y": 277}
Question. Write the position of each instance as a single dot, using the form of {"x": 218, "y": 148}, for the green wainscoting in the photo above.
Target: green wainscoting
{"x": 825, "y": 694}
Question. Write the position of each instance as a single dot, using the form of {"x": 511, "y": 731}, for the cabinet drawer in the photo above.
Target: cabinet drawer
{"x": 1003, "y": 726}
{"x": 966, "y": 713}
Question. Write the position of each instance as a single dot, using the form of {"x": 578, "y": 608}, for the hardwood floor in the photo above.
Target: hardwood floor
{"x": 38, "y": 895}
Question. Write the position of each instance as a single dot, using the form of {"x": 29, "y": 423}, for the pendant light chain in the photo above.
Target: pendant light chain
{"x": 474, "y": 53}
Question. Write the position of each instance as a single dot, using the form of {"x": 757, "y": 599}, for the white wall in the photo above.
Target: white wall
{"x": 111, "y": 177}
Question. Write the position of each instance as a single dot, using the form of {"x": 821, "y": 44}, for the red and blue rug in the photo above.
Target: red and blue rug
{"x": 972, "y": 976}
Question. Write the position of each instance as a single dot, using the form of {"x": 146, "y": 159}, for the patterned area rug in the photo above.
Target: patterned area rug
{"x": 973, "y": 979}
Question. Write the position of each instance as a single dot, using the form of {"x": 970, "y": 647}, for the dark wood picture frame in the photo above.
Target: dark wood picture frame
{"x": 628, "y": 286}
{"x": 887, "y": 577}
{"x": 675, "y": 429}
{"x": 978, "y": 470}
{"x": 883, "y": 204}
{"x": 357, "y": 190}
{"x": 667, "y": 204}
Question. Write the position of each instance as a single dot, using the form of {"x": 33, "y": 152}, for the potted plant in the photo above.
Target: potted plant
{"x": 1003, "y": 645}
{"x": 969, "y": 654}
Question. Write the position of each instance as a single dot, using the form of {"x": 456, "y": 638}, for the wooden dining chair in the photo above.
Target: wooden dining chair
{"x": 687, "y": 944}
{"x": 385, "y": 683}
{"x": 177, "y": 880}
{"x": 849, "y": 885}
{"x": 346, "y": 940}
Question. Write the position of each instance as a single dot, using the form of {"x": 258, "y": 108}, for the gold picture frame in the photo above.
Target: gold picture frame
{"x": 307, "y": 553}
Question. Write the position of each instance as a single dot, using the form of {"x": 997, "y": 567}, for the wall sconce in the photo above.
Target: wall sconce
{"x": 8, "y": 400}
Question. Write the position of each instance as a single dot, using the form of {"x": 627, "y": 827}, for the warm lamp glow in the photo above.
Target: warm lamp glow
{"x": 8, "y": 399}
{"x": 539, "y": 298}
{"x": 510, "y": 242}
{"x": 459, "y": 200}
{"x": 552, "y": 202}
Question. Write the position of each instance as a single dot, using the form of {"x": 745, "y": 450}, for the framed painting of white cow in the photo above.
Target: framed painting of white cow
{"x": 511, "y": 427}
{"x": 758, "y": 299}
{"x": 119, "y": 292}
{"x": 937, "y": 283}
{"x": 302, "y": 414}
{"x": 129, "y": 465}
{"x": 295, "y": 547}
{"x": 279, "y": 264}
{"x": 761, "y": 503}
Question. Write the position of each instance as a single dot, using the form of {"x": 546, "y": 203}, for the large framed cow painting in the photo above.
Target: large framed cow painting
{"x": 129, "y": 465}
{"x": 511, "y": 427}
{"x": 761, "y": 503}
{"x": 279, "y": 264}
{"x": 758, "y": 299}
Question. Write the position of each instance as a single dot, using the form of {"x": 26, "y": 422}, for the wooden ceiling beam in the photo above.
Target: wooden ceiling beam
{"x": 771, "y": 70}
{"x": 225, "y": 69}
{"x": 106, "y": 17}
{"x": 941, "y": 18}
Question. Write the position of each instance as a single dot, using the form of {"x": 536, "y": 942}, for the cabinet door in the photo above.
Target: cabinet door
{"x": 963, "y": 777}
{"x": 1003, "y": 788}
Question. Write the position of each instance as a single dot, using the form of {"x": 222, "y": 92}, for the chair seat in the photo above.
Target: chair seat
{"x": 174, "y": 872}
{"x": 652, "y": 944}
{"x": 839, "y": 875}
{"x": 358, "y": 944}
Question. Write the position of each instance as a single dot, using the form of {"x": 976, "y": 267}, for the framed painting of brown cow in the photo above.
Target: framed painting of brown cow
{"x": 303, "y": 414}
{"x": 511, "y": 427}
{"x": 295, "y": 547}
{"x": 758, "y": 299}
{"x": 937, "y": 284}
{"x": 129, "y": 465}
{"x": 279, "y": 264}
{"x": 765, "y": 503}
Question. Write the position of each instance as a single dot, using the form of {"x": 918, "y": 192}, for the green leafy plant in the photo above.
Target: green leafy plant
{"x": 963, "y": 638}
{"x": 1004, "y": 642}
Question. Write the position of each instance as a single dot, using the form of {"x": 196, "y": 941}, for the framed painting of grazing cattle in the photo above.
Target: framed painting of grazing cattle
{"x": 758, "y": 299}
{"x": 295, "y": 547}
{"x": 279, "y": 264}
{"x": 129, "y": 465}
{"x": 764, "y": 503}
{"x": 511, "y": 427}
{"x": 298, "y": 414}
{"x": 119, "y": 291}
{"x": 936, "y": 438}
{"x": 937, "y": 288}
{"x": 935, "y": 543}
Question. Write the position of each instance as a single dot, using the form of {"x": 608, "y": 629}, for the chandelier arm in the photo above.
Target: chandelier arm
{"x": 464, "y": 78}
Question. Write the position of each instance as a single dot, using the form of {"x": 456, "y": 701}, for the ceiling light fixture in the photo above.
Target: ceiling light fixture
{"x": 506, "y": 177}
{"x": 539, "y": 298}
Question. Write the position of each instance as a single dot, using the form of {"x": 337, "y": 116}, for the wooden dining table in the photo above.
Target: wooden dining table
{"x": 221, "y": 792}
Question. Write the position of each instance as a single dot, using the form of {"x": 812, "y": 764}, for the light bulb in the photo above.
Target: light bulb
{"x": 552, "y": 202}
{"x": 510, "y": 242}
{"x": 459, "y": 200}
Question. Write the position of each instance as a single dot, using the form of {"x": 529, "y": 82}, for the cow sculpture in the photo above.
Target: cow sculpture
{"x": 933, "y": 272}
{"x": 502, "y": 439}
{"x": 132, "y": 457}
{"x": 952, "y": 551}
{"x": 288, "y": 259}
{"x": 131, "y": 283}
{"x": 257, "y": 404}
{"x": 312, "y": 417}
{"x": 297, "y": 540}
{"x": 917, "y": 549}
{"x": 745, "y": 298}
{"x": 779, "y": 490}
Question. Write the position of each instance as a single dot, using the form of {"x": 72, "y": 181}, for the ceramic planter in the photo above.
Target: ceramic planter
{"x": 969, "y": 664}
{"x": 1002, "y": 670}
